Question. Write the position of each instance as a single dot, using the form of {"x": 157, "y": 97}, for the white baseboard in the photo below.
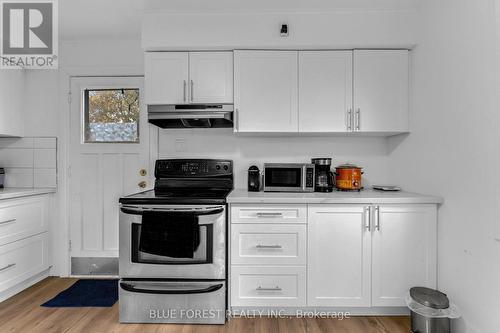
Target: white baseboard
{"x": 24, "y": 285}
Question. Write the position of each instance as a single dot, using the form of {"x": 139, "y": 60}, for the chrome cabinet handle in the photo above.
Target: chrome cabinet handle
{"x": 377, "y": 218}
{"x": 7, "y": 267}
{"x": 277, "y": 246}
{"x": 368, "y": 213}
{"x": 357, "y": 118}
{"x": 184, "y": 92}
{"x": 236, "y": 120}
{"x": 192, "y": 90}
{"x": 349, "y": 119}
{"x": 8, "y": 221}
{"x": 269, "y": 214}
{"x": 277, "y": 288}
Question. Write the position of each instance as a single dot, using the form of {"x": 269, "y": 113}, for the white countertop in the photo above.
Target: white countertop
{"x": 17, "y": 192}
{"x": 367, "y": 196}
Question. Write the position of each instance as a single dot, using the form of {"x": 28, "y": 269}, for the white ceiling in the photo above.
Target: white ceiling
{"x": 112, "y": 19}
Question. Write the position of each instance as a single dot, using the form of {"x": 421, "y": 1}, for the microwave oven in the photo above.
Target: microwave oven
{"x": 288, "y": 177}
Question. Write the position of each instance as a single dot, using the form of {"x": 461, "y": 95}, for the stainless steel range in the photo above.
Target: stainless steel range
{"x": 173, "y": 245}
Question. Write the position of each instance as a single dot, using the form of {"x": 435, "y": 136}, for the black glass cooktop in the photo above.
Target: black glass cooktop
{"x": 178, "y": 196}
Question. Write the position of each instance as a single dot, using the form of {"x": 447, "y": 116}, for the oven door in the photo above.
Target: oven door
{"x": 209, "y": 259}
{"x": 284, "y": 178}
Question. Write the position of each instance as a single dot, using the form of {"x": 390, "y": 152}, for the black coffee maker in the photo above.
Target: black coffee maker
{"x": 253, "y": 179}
{"x": 323, "y": 175}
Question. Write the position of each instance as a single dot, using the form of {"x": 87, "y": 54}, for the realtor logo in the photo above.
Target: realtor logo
{"x": 29, "y": 34}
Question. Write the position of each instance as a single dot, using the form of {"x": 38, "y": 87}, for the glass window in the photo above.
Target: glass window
{"x": 111, "y": 115}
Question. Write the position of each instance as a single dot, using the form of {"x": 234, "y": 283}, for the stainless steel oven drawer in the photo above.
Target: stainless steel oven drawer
{"x": 181, "y": 302}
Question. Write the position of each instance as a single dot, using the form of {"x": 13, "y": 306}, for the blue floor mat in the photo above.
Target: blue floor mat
{"x": 86, "y": 293}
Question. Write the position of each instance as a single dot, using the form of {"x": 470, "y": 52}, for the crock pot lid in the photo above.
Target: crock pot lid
{"x": 430, "y": 297}
{"x": 321, "y": 161}
{"x": 253, "y": 168}
{"x": 348, "y": 166}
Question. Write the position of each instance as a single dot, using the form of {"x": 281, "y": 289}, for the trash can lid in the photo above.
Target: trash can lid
{"x": 430, "y": 297}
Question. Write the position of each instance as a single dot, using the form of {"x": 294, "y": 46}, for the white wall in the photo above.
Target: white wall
{"x": 453, "y": 151}
{"x": 332, "y": 29}
{"x": 370, "y": 153}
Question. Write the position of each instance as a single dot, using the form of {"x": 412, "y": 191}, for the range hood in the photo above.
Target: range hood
{"x": 191, "y": 115}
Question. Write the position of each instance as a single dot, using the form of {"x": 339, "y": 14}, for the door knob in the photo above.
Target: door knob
{"x": 142, "y": 184}
{"x": 143, "y": 172}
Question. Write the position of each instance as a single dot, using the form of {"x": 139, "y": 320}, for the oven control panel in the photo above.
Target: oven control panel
{"x": 192, "y": 168}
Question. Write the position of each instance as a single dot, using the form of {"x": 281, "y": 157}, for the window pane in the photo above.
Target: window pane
{"x": 111, "y": 115}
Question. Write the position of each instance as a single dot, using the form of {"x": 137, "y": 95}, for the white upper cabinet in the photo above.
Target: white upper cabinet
{"x": 188, "y": 77}
{"x": 166, "y": 77}
{"x": 325, "y": 91}
{"x": 381, "y": 91}
{"x": 339, "y": 240}
{"x": 12, "y": 88}
{"x": 211, "y": 77}
{"x": 265, "y": 91}
{"x": 403, "y": 251}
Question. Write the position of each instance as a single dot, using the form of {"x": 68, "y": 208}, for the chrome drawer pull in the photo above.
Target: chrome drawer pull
{"x": 7, "y": 267}
{"x": 277, "y": 246}
{"x": 259, "y": 288}
{"x": 8, "y": 221}
{"x": 269, "y": 214}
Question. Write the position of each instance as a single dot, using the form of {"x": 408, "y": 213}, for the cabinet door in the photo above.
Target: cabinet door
{"x": 211, "y": 77}
{"x": 166, "y": 77}
{"x": 12, "y": 91}
{"x": 325, "y": 91}
{"x": 403, "y": 251}
{"x": 381, "y": 85}
{"x": 338, "y": 256}
{"x": 265, "y": 95}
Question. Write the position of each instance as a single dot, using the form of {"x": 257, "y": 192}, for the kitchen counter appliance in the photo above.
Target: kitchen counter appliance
{"x": 288, "y": 177}
{"x": 323, "y": 174}
{"x": 253, "y": 179}
{"x": 162, "y": 279}
{"x": 348, "y": 177}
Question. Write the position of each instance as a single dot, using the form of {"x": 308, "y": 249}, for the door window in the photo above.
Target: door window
{"x": 111, "y": 116}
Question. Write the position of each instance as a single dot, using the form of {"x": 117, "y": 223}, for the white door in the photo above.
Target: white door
{"x": 403, "y": 251}
{"x": 339, "y": 245}
{"x": 381, "y": 90}
{"x": 265, "y": 91}
{"x": 211, "y": 77}
{"x": 166, "y": 77}
{"x": 109, "y": 157}
{"x": 325, "y": 91}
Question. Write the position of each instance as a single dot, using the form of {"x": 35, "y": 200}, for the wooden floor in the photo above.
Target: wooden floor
{"x": 22, "y": 313}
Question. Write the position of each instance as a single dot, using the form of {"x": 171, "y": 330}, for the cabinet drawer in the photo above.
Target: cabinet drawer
{"x": 21, "y": 218}
{"x": 268, "y": 213}
{"x": 268, "y": 286}
{"x": 23, "y": 259}
{"x": 278, "y": 244}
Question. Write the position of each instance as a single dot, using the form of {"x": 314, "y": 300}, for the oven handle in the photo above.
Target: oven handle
{"x": 138, "y": 211}
{"x": 131, "y": 288}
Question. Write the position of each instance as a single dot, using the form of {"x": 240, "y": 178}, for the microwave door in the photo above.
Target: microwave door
{"x": 285, "y": 179}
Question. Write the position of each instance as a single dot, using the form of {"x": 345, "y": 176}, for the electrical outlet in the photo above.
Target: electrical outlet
{"x": 180, "y": 145}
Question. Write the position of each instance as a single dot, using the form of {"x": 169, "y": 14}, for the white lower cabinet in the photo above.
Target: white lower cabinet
{"x": 338, "y": 270}
{"x": 268, "y": 286}
{"x": 339, "y": 255}
{"x": 403, "y": 251}
{"x": 23, "y": 259}
{"x": 24, "y": 242}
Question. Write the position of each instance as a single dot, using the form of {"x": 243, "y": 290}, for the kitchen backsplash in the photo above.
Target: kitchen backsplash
{"x": 371, "y": 153}
{"x": 29, "y": 161}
